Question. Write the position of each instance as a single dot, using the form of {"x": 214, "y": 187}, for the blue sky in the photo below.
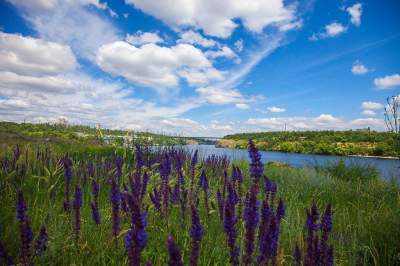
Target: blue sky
{"x": 200, "y": 67}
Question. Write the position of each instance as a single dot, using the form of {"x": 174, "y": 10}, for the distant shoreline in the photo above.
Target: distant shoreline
{"x": 373, "y": 156}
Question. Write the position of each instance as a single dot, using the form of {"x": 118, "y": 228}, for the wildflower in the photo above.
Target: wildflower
{"x": 196, "y": 232}
{"x": 263, "y": 230}
{"x": 192, "y": 171}
{"x": 165, "y": 170}
{"x": 297, "y": 255}
{"x": 230, "y": 227}
{"x": 175, "y": 258}
{"x": 115, "y": 202}
{"x": 5, "y": 257}
{"x": 118, "y": 163}
{"x": 155, "y": 197}
{"x": 251, "y": 220}
{"x": 95, "y": 204}
{"x": 26, "y": 235}
{"x": 41, "y": 241}
{"x": 220, "y": 205}
{"x": 256, "y": 166}
{"x": 145, "y": 180}
{"x": 68, "y": 174}
{"x": 280, "y": 212}
{"x": 77, "y": 208}
{"x": 326, "y": 228}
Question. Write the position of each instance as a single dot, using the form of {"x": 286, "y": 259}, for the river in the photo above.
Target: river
{"x": 387, "y": 167}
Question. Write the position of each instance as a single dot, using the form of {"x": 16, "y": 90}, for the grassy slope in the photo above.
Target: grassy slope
{"x": 366, "y": 221}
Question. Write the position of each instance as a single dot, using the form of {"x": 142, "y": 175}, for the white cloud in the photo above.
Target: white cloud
{"x": 291, "y": 26}
{"x": 69, "y": 22}
{"x": 331, "y": 30}
{"x": 239, "y": 45}
{"x": 322, "y": 122}
{"x": 216, "y": 18}
{"x": 368, "y": 113}
{"x": 274, "y": 109}
{"x": 371, "y": 106}
{"x": 156, "y": 66}
{"x": 355, "y": 12}
{"x": 196, "y": 38}
{"x": 359, "y": 69}
{"x": 242, "y": 106}
{"x": 225, "y": 51}
{"x": 32, "y": 56}
{"x": 387, "y": 82}
{"x": 140, "y": 38}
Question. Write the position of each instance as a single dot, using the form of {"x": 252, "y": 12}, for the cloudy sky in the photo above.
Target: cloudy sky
{"x": 200, "y": 67}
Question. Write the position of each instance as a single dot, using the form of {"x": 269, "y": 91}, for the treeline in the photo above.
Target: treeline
{"x": 351, "y": 142}
{"x": 56, "y": 132}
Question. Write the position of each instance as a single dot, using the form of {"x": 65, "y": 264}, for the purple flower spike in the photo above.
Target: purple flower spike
{"x": 230, "y": 226}
{"x": 68, "y": 174}
{"x": 115, "y": 202}
{"x": 297, "y": 255}
{"x": 41, "y": 241}
{"x": 145, "y": 180}
{"x": 5, "y": 257}
{"x": 175, "y": 258}
{"x": 251, "y": 220}
{"x": 155, "y": 197}
{"x": 220, "y": 205}
{"x": 77, "y": 208}
{"x": 280, "y": 212}
{"x": 256, "y": 166}
{"x": 26, "y": 235}
{"x": 196, "y": 232}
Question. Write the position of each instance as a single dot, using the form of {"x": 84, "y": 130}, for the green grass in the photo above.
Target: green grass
{"x": 366, "y": 218}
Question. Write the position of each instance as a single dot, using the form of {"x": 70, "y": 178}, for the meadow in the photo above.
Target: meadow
{"x": 106, "y": 205}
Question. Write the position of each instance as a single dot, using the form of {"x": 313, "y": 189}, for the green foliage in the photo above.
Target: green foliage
{"x": 352, "y": 142}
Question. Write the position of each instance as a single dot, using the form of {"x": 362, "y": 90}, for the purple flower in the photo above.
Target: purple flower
{"x": 297, "y": 255}
{"x": 251, "y": 220}
{"x": 41, "y": 241}
{"x": 230, "y": 226}
{"x": 326, "y": 228}
{"x": 263, "y": 230}
{"x": 165, "y": 170}
{"x": 155, "y": 197}
{"x": 256, "y": 166}
{"x": 77, "y": 208}
{"x": 145, "y": 180}
{"x": 118, "y": 163}
{"x": 136, "y": 239}
{"x": 220, "y": 205}
{"x": 26, "y": 235}
{"x": 196, "y": 232}
{"x": 115, "y": 202}
{"x": 280, "y": 212}
{"x": 68, "y": 174}
{"x": 95, "y": 203}
{"x": 175, "y": 258}
{"x": 192, "y": 171}
{"x": 5, "y": 257}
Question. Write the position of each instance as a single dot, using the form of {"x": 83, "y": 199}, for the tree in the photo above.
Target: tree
{"x": 392, "y": 120}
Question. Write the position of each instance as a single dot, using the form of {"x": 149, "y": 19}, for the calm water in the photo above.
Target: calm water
{"x": 388, "y": 168}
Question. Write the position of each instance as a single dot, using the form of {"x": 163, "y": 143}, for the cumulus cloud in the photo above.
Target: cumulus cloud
{"x": 69, "y": 22}
{"x": 322, "y": 122}
{"x": 368, "y": 112}
{"x": 140, "y": 38}
{"x": 156, "y": 66}
{"x": 35, "y": 57}
{"x": 196, "y": 38}
{"x": 217, "y": 18}
{"x": 274, "y": 109}
{"x": 217, "y": 95}
{"x": 359, "y": 69}
{"x": 387, "y": 82}
{"x": 331, "y": 30}
{"x": 355, "y": 12}
{"x": 371, "y": 106}
{"x": 242, "y": 106}
{"x": 225, "y": 52}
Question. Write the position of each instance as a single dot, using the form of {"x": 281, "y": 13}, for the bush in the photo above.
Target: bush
{"x": 351, "y": 172}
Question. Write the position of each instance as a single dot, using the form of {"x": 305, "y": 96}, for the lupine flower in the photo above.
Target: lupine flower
{"x": 5, "y": 257}
{"x": 220, "y": 205}
{"x": 115, "y": 202}
{"x": 251, "y": 220}
{"x": 41, "y": 241}
{"x": 196, "y": 232}
{"x": 155, "y": 197}
{"x": 136, "y": 239}
{"x": 230, "y": 226}
{"x": 68, "y": 174}
{"x": 175, "y": 258}
{"x": 145, "y": 180}
{"x": 95, "y": 204}
{"x": 256, "y": 166}
{"x": 26, "y": 235}
{"x": 77, "y": 208}
{"x": 297, "y": 255}
{"x": 165, "y": 170}
{"x": 263, "y": 230}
